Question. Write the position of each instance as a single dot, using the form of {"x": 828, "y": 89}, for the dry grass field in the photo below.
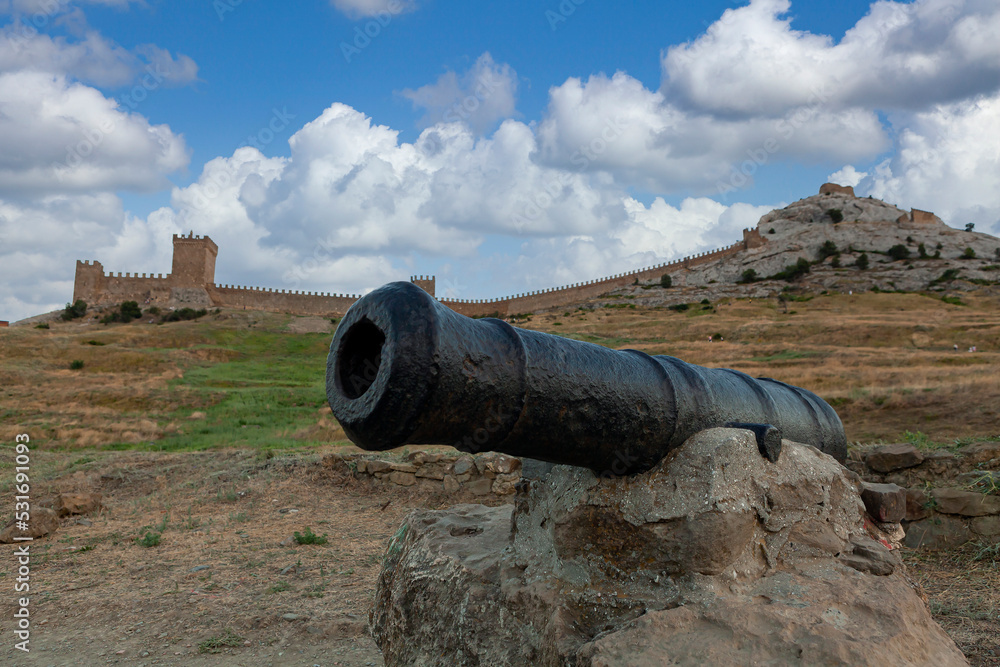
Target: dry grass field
{"x": 211, "y": 433}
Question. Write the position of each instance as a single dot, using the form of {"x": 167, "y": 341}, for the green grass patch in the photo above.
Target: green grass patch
{"x": 272, "y": 389}
{"x": 228, "y": 639}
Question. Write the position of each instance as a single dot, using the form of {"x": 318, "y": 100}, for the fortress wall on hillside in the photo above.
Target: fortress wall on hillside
{"x": 281, "y": 301}
{"x": 569, "y": 294}
{"x": 194, "y": 274}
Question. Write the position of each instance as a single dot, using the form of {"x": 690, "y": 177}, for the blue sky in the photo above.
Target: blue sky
{"x": 501, "y": 149}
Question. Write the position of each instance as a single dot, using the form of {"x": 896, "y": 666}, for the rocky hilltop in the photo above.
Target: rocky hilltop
{"x": 905, "y": 251}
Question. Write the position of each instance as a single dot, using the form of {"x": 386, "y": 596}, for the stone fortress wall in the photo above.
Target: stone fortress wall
{"x": 191, "y": 281}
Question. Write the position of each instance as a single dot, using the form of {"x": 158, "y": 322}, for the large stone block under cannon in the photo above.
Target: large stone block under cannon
{"x": 716, "y": 556}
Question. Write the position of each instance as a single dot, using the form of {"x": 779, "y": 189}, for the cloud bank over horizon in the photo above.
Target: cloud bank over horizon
{"x": 907, "y": 103}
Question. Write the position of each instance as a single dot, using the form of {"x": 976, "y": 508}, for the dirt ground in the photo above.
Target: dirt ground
{"x": 227, "y": 584}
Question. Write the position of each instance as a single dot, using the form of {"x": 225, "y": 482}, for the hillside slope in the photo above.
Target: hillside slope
{"x": 951, "y": 260}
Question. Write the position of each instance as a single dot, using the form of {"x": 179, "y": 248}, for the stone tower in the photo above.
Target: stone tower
{"x": 194, "y": 261}
{"x": 90, "y": 281}
{"x": 426, "y": 283}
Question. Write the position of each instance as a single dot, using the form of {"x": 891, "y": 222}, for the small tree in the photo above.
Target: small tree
{"x": 969, "y": 226}
{"x": 898, "y": 252}
{"x": 77, "y": 309}
{"x": 862, "y": 261}
{"x": 130, "y": 310}
{"x": 969, "y": 254}
{"x": 835, "y": 262}
{"x": 836, "y": 215}
{"x": 666, "y": 281}
{"x": 922, "y": 251}
{"x": 828, "y": 249}
{"x": 749, "y": 276}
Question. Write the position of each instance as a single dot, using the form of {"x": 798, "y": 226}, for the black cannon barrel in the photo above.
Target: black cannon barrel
{"x": 405, "y": 369}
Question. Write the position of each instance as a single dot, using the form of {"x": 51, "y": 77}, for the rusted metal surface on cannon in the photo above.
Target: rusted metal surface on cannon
{"x": 405, "y": 369}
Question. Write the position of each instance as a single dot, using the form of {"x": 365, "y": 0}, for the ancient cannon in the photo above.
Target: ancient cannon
{"x": 405, "y": 369}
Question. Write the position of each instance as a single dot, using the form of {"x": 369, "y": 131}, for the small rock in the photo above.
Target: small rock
{"x": 938, "y": 461}
{"x": 981, "y": 452}
{"x": 451, "y": 484}
{"x": 197, "y": 415}
{"x": 938, "y": 532}
{"x": 480, "y": 487}
{"x": 916, "y": 505}
{"x": 462, "y": 466}
{"x": 988, "y": 526}
{"x": 287, "y": 542}
{"x": 403, "y": 467}
{"x": 886, "y": 503}
{"x": 84, "y": 522}
{"x": 372, "y": 467}
{"x": 965, "y": 503}
{"x": 431, "y": 471}
{"x": 66, "y": 504}
{"x": 292, "y": 617}
{"x": 199, "y": 568}
{"x": 403, "y": 478}
{"x": 43, "y": 522}
{"x": 983, "y": 480}
{"x": 888, "y": 458}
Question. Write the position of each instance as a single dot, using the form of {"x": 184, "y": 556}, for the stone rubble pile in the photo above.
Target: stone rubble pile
{"x": 478, "y": 475}
{"x": 951, "y": 497}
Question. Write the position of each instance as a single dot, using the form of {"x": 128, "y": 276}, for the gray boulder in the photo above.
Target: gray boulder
{"x": 716, "y": 556}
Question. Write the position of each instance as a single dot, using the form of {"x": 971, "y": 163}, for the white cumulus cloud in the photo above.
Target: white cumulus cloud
{"x": 481, "y": 97}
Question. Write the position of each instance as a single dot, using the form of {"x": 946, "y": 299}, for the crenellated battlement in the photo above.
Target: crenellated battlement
{"x": 192, "y": 281}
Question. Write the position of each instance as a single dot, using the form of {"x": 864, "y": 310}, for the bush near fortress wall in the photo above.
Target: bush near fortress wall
{"x": 184, "y": 314}
{"x": 126, "y": 312}
{"x": 74, "y": 310}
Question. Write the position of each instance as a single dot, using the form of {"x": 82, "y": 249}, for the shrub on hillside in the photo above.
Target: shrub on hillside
{"x": 749, "y": 276}
{"x": 74, "y": 310}
{"x": 126, "y": 312}
{"x": 184, "y": 314}
{"x": 666, "y": 281}
{"x": 836, "y": 215}
{"x": 898, "y": 252}
{"x": 793, "y": 271}
{"x": 828, "y": 249}
{"x": 969, "y": 254}
{"x": 862, "y": 261}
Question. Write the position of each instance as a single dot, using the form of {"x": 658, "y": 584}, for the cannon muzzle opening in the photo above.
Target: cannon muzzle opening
{"x": 404, "y": 368}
